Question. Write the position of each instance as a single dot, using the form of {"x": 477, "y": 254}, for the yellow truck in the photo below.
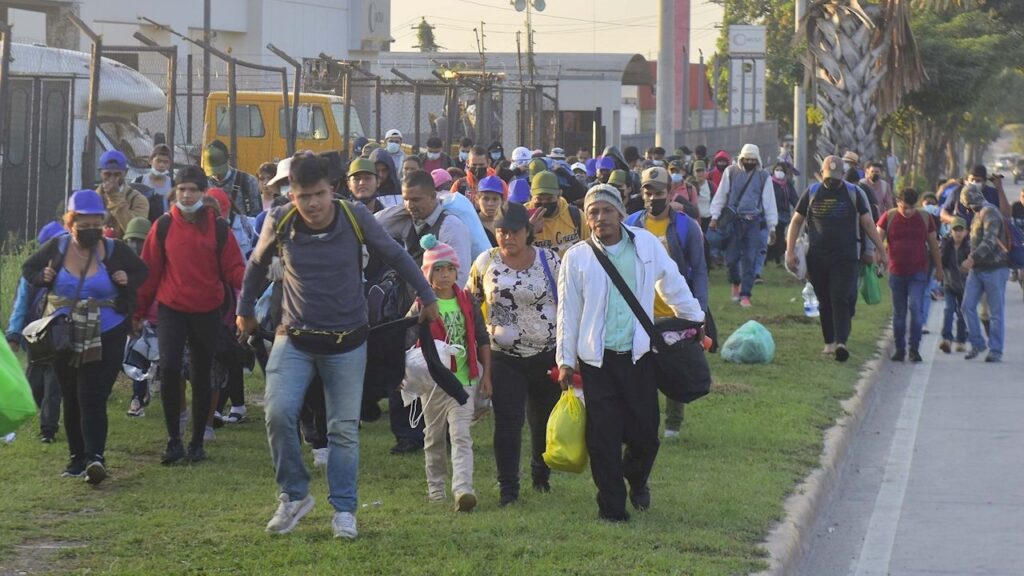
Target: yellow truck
{"x": 261, "y": 123}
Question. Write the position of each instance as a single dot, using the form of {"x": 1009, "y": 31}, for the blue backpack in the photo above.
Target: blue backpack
{"x": 682, "y": 231}
{"x": 1014, "y": 244}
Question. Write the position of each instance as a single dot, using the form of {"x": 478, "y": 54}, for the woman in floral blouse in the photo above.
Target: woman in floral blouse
{"x": 516, "y": 284}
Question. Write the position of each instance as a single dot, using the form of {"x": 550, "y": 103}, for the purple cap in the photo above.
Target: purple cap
{"x": 606, "y": 163}
{"x": 591, "y": 167}
{"x": 519, "y": 191}
{"x": 492, "y": 184}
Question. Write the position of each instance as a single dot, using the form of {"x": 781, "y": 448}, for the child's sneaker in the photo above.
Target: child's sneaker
{"x": 944, "y": 346}
{"x": 135, "y": 409}
{"x": 735, "y": 292}
{"x": 209, "y": 435}
{"x": 236, "y": 415}
{"x": 745, "y": 302}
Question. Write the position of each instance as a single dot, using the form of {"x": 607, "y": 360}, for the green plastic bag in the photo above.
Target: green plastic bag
{"x": 566, "y": 438}
{"x": 752, "y": 343}
{"x": 870, "y": 289}
{"x": 16, "y": 403}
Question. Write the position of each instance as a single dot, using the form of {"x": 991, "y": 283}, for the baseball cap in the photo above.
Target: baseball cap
{"x": 617, "y": 178}
{"x": 579, "y": 166}
{"x": 284, "y": 167}
{"x": 511, "y": 216}
{"x": 655, "y": 177}
{"x": 557, "y": 154}
{"x": 832, "y": 167}
{"x": 958, "y": 222}
{"x": 392, "y": 133}
{"x": 441, "y": 177}
{"x": 357, "y": 166}
{"x": 86, "y": 202}
{"x": 851, "y": 157}
{"x": 113, "y": 160}
{"x": 606, "y": 163}
{"x": 545, "y": 183}
{"x": 492, "y": 184}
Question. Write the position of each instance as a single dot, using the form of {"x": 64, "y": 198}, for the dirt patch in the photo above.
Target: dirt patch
{"x": 35, "y": 557}
{"x": 730, "y": 388}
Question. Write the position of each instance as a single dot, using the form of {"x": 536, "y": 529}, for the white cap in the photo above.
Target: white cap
{"x": 283, "y": 168}
{"x": 557, "y": 154}
{"x": 393, "y": 132}
{"x": 521, "y": 154}
{"x": 750, "y": 152}
{"x": 579, "y": 166}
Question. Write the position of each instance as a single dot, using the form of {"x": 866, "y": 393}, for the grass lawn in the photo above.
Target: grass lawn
{"x": 716, "y": 489}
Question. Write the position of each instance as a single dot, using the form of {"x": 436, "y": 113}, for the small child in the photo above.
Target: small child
{"x": 955, "y": 249}
{"x": 461, "y": 323}
{"x": 135, "y": 236}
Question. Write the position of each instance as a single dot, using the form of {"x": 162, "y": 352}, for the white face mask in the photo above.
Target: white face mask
{"x": 780, "y": 174}
{"x": 158, "y": 173}
{"x": 189, "y": 209}
{"x": 677, "y": 178}
{"x": 285, "y": 189}
{"x": 433, "y": 155}
{"x": 847, "y": 166}
{"x": 393, "y": 147}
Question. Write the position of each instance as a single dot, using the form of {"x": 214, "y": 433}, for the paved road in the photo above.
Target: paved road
{"x": 934, "y": 482}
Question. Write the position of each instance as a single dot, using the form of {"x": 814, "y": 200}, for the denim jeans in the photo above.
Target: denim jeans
{"x": 992, "y": 283}
{"x": 42, "y": 378}
{"x": 289, "y": 372}
{"x": 907, "y": 292}
{"x": 762, "y": 254}
{"x": 746, "y": 243}
{"x": 953, "y": 301}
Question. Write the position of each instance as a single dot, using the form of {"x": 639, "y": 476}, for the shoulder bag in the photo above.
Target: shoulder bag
{"x": 53, "y": 335}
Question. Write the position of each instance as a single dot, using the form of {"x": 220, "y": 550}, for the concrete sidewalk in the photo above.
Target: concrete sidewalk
{"x": 934, "y": 480}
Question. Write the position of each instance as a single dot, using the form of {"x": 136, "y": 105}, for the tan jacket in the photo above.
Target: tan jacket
{"x": 122, "y": 206}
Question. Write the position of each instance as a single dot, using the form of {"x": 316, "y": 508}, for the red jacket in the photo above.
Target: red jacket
{"x": 714, "y": 174}
{"x": 190, "y": 278}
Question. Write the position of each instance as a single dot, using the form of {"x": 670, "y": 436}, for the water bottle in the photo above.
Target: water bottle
{"x": 810, "y": 301}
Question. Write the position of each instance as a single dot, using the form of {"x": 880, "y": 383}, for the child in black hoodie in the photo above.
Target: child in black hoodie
{"x": 954, "y": 250}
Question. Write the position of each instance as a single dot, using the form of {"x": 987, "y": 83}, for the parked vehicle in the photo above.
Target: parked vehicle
{"x": 261, "y": 123}
{"x": 47, "y": 121}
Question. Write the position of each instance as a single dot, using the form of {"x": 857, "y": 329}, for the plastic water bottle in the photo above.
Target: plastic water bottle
{"x": 810, "y": 301}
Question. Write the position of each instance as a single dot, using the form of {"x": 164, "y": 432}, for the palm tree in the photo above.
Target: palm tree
{"x": 865, "y": 60}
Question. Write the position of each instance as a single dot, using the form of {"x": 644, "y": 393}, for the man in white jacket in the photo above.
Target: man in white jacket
{"x": 598, "y": 332}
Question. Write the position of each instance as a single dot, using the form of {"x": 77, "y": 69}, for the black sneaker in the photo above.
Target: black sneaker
{"x": 196, "y": 453}
{"x": 994, "y": 358}
{"x": 507, "y": 499}
{"x": 541, "y": 485}
{"x": 406, "y": 446}
{"x": 898, "y": 356}
{"x": 95, "y": 472}
{"x": 974, "y": 353}
{"x": 74, "y": 469}
{"x": 842, "y": 354}
{"x": 915, "y": 356}
{"x": 47, "y": 438}
{"x": 174, "y": 452}
{"x": 640, "y": 497}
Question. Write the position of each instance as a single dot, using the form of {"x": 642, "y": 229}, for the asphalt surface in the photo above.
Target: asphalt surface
{"x": 934, "y": 480}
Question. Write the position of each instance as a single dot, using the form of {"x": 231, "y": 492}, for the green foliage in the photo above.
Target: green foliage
{"x": 717, "y": 488}
{"x": 425, "y": 37}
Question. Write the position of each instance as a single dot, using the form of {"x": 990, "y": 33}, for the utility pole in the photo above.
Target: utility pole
{"x": 206, "y": 57}
{"x": 665, "y": 93}
{"x": 800, "y": 114}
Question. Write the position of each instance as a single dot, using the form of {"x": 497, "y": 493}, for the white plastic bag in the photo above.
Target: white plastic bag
{"x": 418, "y": 381}
{"x": 801, "y": 257}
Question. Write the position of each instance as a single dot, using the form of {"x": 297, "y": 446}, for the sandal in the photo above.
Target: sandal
{"x": 234, "y": 417}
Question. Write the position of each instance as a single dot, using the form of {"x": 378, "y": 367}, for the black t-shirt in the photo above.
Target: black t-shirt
{"x": 1017, "y": 211}
{"x": 832, "y": 222}
{"x": 301, "y": 226}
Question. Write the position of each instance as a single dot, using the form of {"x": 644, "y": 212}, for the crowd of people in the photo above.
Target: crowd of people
{"x": 327, "y": 272}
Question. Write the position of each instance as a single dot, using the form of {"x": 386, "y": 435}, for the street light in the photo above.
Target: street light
{"x": 528, "y": 6}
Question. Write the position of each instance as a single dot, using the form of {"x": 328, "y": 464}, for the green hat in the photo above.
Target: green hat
{"x": 138, "y": 229}
{"x": 369, "y": 147}
{"x": 361, "y": 165}
{"x": 617, "y": 178}
{"x": 537, "y": 165}
{"x": 699, "y": 165}
{"x": 545, "y": 182}
{"x": 958, "y": 221}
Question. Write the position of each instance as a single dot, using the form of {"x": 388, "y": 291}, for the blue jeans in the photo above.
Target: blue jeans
{"x": 746, "y": 243}
{"x": 762, "y": 255}
{"x": 907, "y": 292}
{"x": 952, "y": 309}
{"x": 289, "y": 372}
{"x": 993, "y": 284}
{"x": 926, "y": 302}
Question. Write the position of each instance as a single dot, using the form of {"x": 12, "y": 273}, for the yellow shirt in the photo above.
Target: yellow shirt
{"x": 560, "y": 232}
{"x": 660, "y": 230}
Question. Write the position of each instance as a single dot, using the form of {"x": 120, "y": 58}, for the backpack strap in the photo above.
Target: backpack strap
{"x": 682, "y": 229}
{"x": 577, "y": 218}
{"x": 547, "y": 273}
{"x": 281, "y": 229}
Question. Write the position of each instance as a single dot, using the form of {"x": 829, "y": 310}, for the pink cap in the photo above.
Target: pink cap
{"x": 441, "y": 177}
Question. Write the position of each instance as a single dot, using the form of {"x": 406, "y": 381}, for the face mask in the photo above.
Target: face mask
{"x": 189, "y": 209}
{"x": 721, "y": 166}
{"x": 136, "y": 246}
{"x": 677, "y": 178}
{"x": 749, "y": 166}
{"x": 157, "y": 173}
{"x": 463, "y": 156}
{"x": 847, "y": 166}
{"x": 433, "y": 155}
{"x": 393, "y": 147}
{"x": 550, "y": 208}
{"x": 658, "y": 162}
{"x": 89, "y": 237}
{"x": 656, "y": 206}
{"x": 285, "y": 189}
{"x": 495, "y": 155}
{"x": 688, "y": 157}
{"x": 603, "y": 179}
{"x": 479, "y": 173}
{"x": 780, "y": 174}
{"x": 875, "y": 177}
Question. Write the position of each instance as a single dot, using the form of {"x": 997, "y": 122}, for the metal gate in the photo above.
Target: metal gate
{"x": 36, "y": 166}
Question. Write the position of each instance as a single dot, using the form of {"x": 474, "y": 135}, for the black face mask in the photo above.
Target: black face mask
{"x": 136, "y": 246}
{"x": 549, "y": 208}
{"x": 875, "y": 177}
{"x": 748, "y": 166}
{"x": 602, "y": 178}
{"x": 656, "y": 206}
{"x": 479, "y": 173}
{"x": 88, "y": 237}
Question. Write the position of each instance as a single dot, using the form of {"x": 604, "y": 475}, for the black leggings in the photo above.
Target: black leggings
{"x": 832, "y": 281}
{"x": 173, "y": 329}
{"x": 85, "y": 390}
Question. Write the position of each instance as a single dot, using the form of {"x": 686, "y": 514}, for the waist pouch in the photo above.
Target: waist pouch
{"x": 326, "y": 342}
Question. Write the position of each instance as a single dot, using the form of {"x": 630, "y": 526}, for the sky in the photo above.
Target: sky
{"x": 563, "y": 26}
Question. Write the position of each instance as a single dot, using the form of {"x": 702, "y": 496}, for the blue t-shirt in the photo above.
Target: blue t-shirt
{"x": 954, "y": 207}
{"x": 98, "y": 286}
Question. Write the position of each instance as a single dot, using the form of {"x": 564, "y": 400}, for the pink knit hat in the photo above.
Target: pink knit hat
{"x": 435, "y": 251}
{"x": 441, "y": 177}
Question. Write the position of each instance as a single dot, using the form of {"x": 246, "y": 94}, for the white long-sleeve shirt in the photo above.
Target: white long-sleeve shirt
{"x": 583, "y": 288}
{"x": 771, "y": 211}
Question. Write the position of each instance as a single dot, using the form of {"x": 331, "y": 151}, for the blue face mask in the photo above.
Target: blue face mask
{"x": 677, "y": 178}
{"x": 463, "y": 156}
{"x": 495, "y": 155}
{"x": 393, "y": 147}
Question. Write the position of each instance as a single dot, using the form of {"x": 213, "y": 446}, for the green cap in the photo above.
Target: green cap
{"x": 699, "y": 165}
{"x": 617, "y": 178}
{"x": 138, "y": 229}
{"x": 369, "y": 147}
{"x": 537, "y": 165}
{"x": 545, "y": 183}
{"x": 958, "y": 222}
{"x": 362, "y": 165}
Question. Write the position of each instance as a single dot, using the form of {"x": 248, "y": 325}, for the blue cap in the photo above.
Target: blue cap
{"x": 606, "y": 163}
{"x": 519, "y": 191}
{"x": 86, "y": 202}
{"x": 492, "y": 184}
{"x": 51, "y": 230}
{"x": 359, "y": 143}
{"x": 591, "y": 167}
{"x": 113, "y": 160}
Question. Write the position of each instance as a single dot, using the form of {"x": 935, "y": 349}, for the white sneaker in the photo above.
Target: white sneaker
{"x": 289, "y": 513}
{"x": 344, "y": 525}
{"x": 320, "y": 456}
{"x": 209, "y": 435}
{"x": 135, "y": 409}
{"x": 671, "y": 433}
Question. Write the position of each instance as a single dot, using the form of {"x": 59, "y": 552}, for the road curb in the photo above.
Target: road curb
{"x": 788, "y": 540}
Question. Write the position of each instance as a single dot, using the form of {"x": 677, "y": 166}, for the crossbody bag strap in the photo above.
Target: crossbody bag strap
{"x": 627, "y": 294}
{"x": 742, "y": 192}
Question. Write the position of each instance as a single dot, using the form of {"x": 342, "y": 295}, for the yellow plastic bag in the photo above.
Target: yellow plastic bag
{"x": 566, "y": 438}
